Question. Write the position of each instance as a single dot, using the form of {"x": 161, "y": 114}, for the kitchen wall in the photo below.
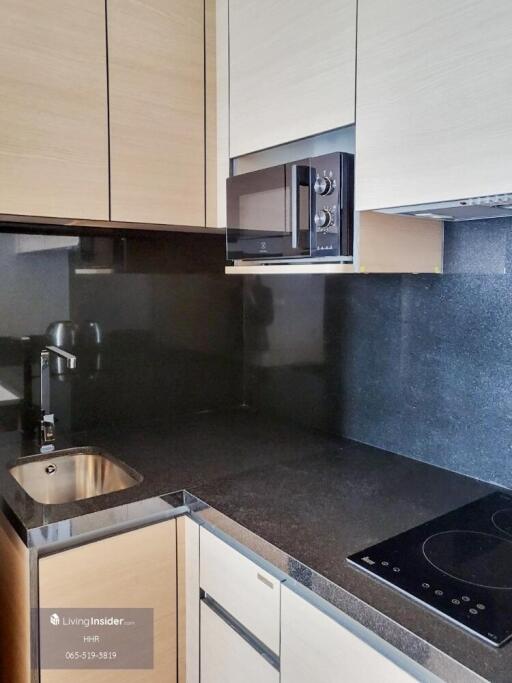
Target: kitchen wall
{"x": 418, "y": 365}
{"x": 170, "y": 325}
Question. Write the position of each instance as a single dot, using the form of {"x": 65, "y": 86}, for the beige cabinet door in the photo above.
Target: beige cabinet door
{"x": 53, "y": 117}
{"x": 314, "y": 647}
{"x": 156, "y": 86}
{"x": 292, "y": 70}
{"x": 136, "y": 569}
{"x": 434, "y": 115}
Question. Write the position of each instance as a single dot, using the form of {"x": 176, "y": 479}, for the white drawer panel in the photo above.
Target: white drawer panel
{"x": 226, "y": 657}
{"x": 317, "y": 648}
{"x": 249, "y": 593}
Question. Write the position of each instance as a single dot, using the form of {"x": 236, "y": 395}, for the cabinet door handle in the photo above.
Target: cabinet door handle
{"x": 264, "y": 580}
{"x": 300, "y": 178}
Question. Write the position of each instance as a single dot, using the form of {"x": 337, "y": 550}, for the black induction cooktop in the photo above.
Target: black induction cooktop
{"x": 459, "y": 565}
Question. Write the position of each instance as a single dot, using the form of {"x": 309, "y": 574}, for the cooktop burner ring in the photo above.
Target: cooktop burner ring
{"x": 476, "y": 558}
{"x": 503, "y": 519}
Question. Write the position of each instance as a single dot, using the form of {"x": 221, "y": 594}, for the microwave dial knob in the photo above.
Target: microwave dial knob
{"x": 323, "y": 219}
{"x": 323, "y": 185}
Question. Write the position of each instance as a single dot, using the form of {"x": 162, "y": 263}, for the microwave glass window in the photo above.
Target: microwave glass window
{"x": 256, "y": 201}
{"x": 264, "y": 210}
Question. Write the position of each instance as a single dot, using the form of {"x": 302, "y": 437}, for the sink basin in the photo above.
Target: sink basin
{"x": 73, "y": 474}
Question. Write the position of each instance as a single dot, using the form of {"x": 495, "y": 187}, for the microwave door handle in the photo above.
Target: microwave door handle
{"x": 295, "y": 207}
{"x": 300, "y": 178}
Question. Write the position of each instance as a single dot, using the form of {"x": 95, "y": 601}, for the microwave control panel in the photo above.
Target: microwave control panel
{"x": 329, "y": 203}
{"x": 326, "y": 213}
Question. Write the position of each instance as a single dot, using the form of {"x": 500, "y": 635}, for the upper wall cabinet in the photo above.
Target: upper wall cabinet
{"x": 434, "y": 114}
{"x": 292, "y": 70}
{"x": 53, "y": 117}
{"x": 157, "y": 111}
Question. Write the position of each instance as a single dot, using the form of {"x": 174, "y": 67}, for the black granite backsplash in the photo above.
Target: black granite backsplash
{"x": 169, "y": 321}
{"x": 416, "y": 364}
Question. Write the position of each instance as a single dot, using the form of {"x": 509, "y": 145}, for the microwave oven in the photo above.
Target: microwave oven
{"x": 299, "y": 210}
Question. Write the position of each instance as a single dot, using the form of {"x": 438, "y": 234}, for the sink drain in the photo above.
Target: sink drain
{"x": 50, "y": 469}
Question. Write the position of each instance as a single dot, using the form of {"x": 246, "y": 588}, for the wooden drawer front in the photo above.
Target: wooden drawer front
{"x": 226, "y": 657}
{"x": 250, "y": 594}
{"x": 315, "y": 647}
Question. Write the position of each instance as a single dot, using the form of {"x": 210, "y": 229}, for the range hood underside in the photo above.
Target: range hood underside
{"x": 474, "y": 208}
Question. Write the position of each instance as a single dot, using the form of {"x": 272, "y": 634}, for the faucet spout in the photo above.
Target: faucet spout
{"x": 69, "y": 357}
{"x": 47, "y": 422}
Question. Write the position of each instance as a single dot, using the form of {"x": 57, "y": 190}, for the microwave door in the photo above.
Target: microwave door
{"x": 256, "y": 214}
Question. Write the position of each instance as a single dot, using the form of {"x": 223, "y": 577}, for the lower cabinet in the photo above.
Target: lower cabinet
{"x": 136, "y": 569}
{"x": 221, "y": 613}
{"x": 226, "y": 657}
{"x": 315, "y": 647}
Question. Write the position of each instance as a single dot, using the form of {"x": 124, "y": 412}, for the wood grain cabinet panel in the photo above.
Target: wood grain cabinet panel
{"x": 53, "y": 117}
{"x": 292, "y": 70}
{"x": 133, "y": 569}
{"x": 217, "y": 110}
{"x": 14, "y": 606}
{"x": 156, "y": 85}
{"x": 434, "y": 113}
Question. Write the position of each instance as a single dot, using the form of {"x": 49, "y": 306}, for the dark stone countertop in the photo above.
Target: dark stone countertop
{"x": 316, "y": 498}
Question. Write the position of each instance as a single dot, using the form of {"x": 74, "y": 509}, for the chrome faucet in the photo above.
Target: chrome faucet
{"x": 47, "y": 422}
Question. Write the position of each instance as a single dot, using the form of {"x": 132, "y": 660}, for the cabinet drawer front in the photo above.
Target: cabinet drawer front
{"x": 226, "y": 657}
{"x": 249, "y": 593}
{"x": 315, "y": 647}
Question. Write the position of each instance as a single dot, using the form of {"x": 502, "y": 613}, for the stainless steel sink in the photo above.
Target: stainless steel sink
{"x": 73, "y": 474}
